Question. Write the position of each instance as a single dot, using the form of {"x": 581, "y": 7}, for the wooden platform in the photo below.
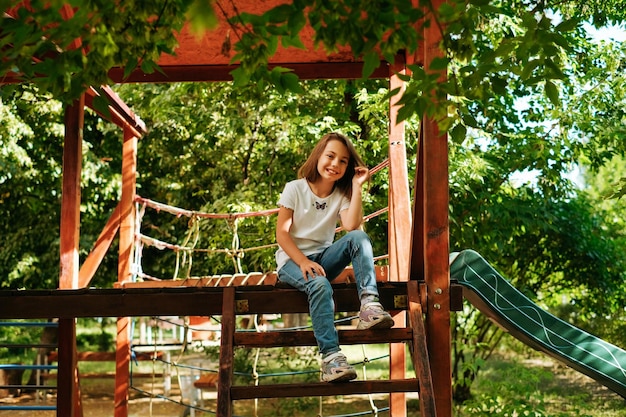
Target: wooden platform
{"x": 207, "y": 297}
{"x": 175, "y": 301}
{"x": 185, "y": 301}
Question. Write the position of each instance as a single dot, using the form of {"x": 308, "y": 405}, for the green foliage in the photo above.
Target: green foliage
{"x": 30, "y": 188}
{"x": 74, "y": 45}
{"x": 523, "y": 52}
{"x": 96, "y": 342}
{"x": 552, "y": 240}
{"x": 19, "y": 335}
{"x": 599, "y": 12}
{"x": 505, "y": 396}
{"x": 529, "y": 49}
{"x": 336, "y": 25}
{"x": 546, "y": 243}
{"x": 95, "y": 335}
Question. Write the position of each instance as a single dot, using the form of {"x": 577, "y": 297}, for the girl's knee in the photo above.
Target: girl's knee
{"x": 319, "y": 286}
{"x": 358, "y": 235}
{"x": 360, "y": 240}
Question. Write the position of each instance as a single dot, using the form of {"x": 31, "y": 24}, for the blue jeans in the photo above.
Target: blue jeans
{"x": 354, "y": 247}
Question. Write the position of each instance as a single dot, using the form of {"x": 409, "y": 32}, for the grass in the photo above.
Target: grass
{"x": 532, "y": 384}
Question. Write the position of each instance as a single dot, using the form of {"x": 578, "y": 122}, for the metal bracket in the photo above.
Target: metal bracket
{"x": 241, "y": 306}
{"x": 400, "y": 302}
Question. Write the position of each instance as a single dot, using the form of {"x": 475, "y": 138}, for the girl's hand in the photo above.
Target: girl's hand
{"x": 361, "y": 174}
{"x": 312, "y": 269}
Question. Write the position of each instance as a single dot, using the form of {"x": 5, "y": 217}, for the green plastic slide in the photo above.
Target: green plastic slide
{"x": 494, "y": 296}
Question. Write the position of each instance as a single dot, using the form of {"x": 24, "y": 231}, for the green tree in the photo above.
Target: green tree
{"x": 549, "y": 248}
{"x": 30, "y": 188}
{"x": 489, "y": 45}
{"x": 30, "y": 200}
{"x": 551, "y": 239}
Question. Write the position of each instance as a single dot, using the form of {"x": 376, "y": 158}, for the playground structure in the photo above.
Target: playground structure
{"x": 286, "y": 336}
{"x": 415, "y": 284}
{"x": 418, "y": 243}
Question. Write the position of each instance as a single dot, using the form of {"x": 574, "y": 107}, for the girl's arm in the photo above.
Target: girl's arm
{"x": 283, "y": 238}
{"x": 352, "y": 217}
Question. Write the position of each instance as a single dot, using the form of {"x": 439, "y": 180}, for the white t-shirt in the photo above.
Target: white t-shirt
{"x": 314, "y": 219}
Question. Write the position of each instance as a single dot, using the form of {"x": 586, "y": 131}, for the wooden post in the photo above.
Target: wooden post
{"x": 399, "y": 226}
{"x": 225, "y": 376}
{"x": 125, "y": 259}
{"x": 432, "y": 229}
{"x": 122, "y": 367}
{"x": 127, "y": 212}
{"x": 68, "y": 398}
{"x": 436, "y": 269}
{"x": 399, "y": 195}
{"x": 70, "y": 197}
{"x": 68, "y": 390}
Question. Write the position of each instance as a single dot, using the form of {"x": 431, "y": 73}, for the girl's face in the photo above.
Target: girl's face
{"x": 333, "y": 162}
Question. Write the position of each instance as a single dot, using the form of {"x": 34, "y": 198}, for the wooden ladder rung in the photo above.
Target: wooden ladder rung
{"x": 317, "y": 389}
{"x": 306, "y": 337}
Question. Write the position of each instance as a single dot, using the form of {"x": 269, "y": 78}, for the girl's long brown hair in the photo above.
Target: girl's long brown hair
{"x": 309, "y": 171}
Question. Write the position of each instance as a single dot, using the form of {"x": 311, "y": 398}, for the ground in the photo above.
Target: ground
{"x": 563, "y": 394}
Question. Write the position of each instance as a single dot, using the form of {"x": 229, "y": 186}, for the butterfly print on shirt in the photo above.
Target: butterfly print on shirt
{"x": 320, "y": 206}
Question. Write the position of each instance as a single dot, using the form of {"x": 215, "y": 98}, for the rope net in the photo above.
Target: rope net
{"x": 195, "y": 367}
{"x": 206, "y": 246}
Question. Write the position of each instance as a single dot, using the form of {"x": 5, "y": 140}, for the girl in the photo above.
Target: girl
{"x": 328, "y": 189}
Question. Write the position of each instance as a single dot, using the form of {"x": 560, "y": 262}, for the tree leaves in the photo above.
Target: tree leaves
{"x": 65, "y": 54}
{"x": 552, "y": 92}
{"x": 132, "y": 37}
{"x": 284, "y": 80}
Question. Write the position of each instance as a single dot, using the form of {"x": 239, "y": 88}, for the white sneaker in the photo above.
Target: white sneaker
{"x": 373, "y": 316}
{"x": 335, "y": 368}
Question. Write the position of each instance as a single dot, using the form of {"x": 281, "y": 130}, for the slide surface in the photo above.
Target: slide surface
{"x": 488, "y": 291}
